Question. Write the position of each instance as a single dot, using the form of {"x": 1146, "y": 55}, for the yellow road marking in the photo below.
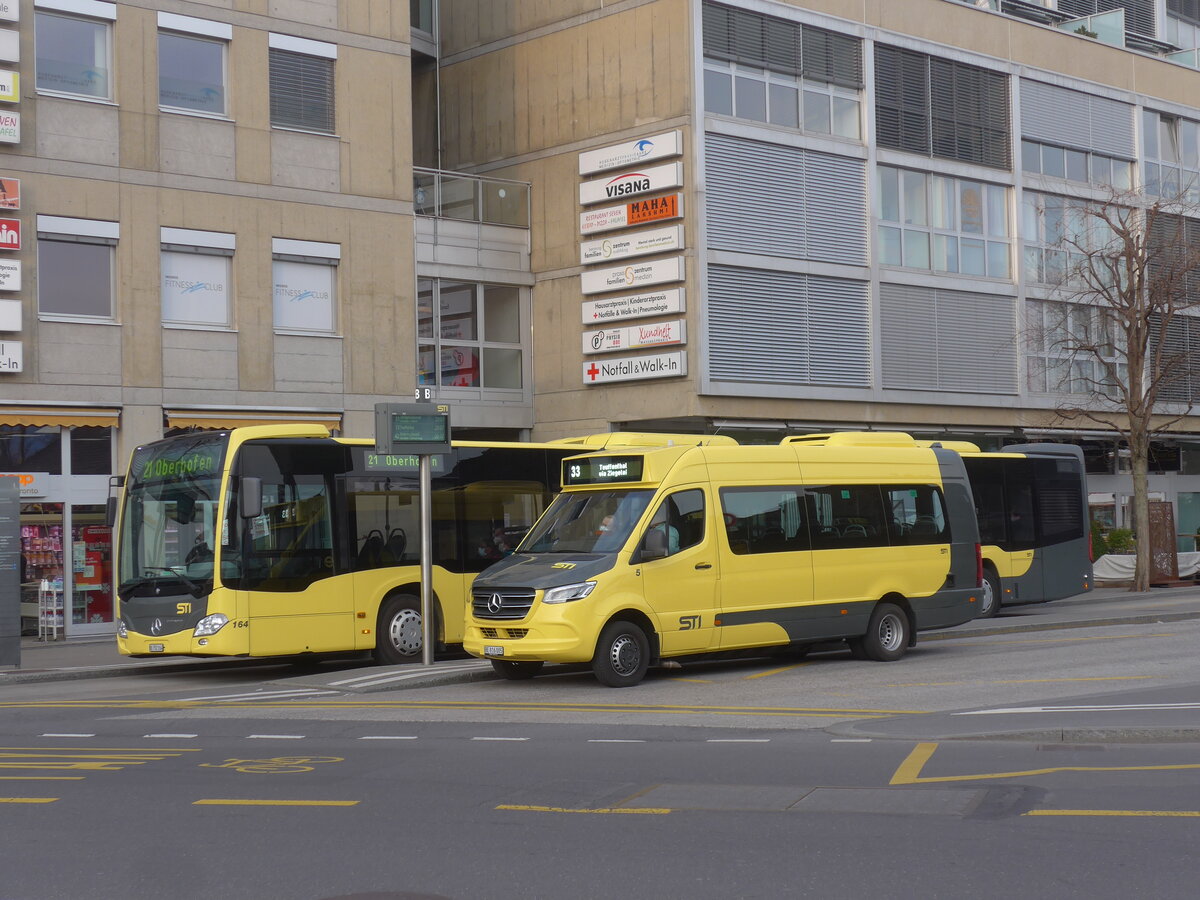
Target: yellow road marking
{"x": 903, "y": 684}
{"x": 157, "y": 751}
{"x": 909, "y": 771}
{"x": 444, "y": 705}
{"x": 41, "y": 778}
{"x": 275, "y": 803}
{"x": 775, "y": 671}
{"x": 1103, "y": 637}
{"x": 646, "y": 811}
{"x": 1144, "y": 813}
{"x": 694, "y": 680}
{"x": 28, "y": 799}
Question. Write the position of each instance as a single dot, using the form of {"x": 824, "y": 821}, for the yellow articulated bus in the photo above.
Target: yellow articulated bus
{"x": 660, "y": 553}
{"x": 281, "y": 540}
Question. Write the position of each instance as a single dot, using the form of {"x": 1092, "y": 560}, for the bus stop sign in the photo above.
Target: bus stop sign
{"x": 412, "y": 428}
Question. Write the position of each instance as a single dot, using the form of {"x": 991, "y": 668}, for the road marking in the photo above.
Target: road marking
{"x": 83, "y": 760}
{"x": 384, "y": 678}
{"x": 68, "y": 735}
{"x": 1140, "y": 813}
{"x": 738, "y": 741}
{"x": 771, "y": 672}
{"x": 258, "y": 695}
{"x": 274, "y": 737}
{"x": 275, "y": 803}
{"x": 388, "y": 737}
{"x": 498, "y": 739}
{"x": 41, "y": 777}
{"x": 615, "y": 741}
{"x": 563, "y": 809}
{"x": 1109, "y": 707}
{"x": 898, "y": 684}
{"x": 170, "y": 735}
{"x": 28, "y": 799}
{"x": 909, "y": 771}
{"x": 850, "y": 740}
{"x": 1099, "y": 637}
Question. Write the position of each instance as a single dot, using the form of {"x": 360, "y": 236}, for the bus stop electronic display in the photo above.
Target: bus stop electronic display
{"x": 602, "y": 470}
{"x": 412, "y": 428}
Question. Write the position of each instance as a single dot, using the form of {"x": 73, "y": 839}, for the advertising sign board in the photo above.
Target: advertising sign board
{"x": 639, "y": 243}
{"x": 631, "y": 153}
{"x": 635, "y": 337}
{"x": 628, "y": 184}
{"x": 635, "y": 368}
{"x": 658, "y": 271}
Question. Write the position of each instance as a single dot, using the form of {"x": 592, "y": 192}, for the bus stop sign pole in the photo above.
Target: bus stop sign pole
{"x": 420, "y": 429}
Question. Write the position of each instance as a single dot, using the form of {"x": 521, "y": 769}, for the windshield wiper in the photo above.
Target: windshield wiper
{"x": 194, "y": 589}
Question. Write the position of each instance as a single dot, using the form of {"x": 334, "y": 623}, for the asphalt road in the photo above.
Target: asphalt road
{"x": 823, "y": 777}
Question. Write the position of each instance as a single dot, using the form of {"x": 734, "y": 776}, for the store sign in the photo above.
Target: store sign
{"x": 303, "y": 295}
{"x": 10, "y": 315}
{"x": 642, "y": 181}
{"x": 10, "y": 127}
{"x": 12, "y": 356}
{"x": 10, "y": 86}
{"x": 639, "y": 212}
{"x": 658, "y": 271}
{"x": 10, "y": 44}
{"x": 633, "y": 306}
{"x": 641, "y": 243}
{"x": 631, "y": 153}
{"x": 195, "y": 288}
{"x": 635, "y": 368}
{"x": 10, "y": 234}
{"x": 635, "y": 337}
{"x": 10, "y": 274}
{"x": 30, "y": 484}
{"x": 10, "y": 193}
{"x": 10, "y": 11}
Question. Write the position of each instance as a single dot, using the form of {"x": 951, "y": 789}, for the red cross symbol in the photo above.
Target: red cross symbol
{"x": 593, "y": 371}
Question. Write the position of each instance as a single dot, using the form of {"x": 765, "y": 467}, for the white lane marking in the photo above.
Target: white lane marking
{"x": 388, "y": 737}
{"x": 170, "y": 735}
{"x": 1115, "y": 707}
{"x": 614, "y": 741}
{"x": 375, "y": 677}
{"x": 276, "y": 737}
{"x": 68, "y": 735}
{"x": 850, "y": 740}
{"x": 498, "y": 739}
{"x": 738, "y": 741}
{"x": 259, "y": 695}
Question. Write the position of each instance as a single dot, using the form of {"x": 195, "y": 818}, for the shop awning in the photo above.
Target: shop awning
{"x": 65, "y": 416}
{"x": 240, "y": 418}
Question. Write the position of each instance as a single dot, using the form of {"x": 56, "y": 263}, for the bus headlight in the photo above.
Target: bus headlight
{"x": 210, "y": 625}
{"x": 122, "y": 631}
{"x": 569, "y": 592}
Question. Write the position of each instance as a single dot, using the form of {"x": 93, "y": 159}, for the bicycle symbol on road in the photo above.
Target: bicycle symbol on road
{"x": 276, "y": 765}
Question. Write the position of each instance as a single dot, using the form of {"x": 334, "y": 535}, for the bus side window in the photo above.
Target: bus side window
{"x": 681, "y": 518}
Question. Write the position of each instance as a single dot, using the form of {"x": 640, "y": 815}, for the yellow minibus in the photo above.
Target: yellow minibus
{"x": 653, "y": 554}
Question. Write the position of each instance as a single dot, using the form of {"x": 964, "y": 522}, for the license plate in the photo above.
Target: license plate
{"x": 493, "y": 651}
{"x": 157, "y": 648}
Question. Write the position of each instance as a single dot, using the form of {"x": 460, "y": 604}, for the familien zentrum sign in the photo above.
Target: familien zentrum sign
{"x": 639, "y": 243}
{"x": 659, "y": 271}
{"x": 628, "y": 184}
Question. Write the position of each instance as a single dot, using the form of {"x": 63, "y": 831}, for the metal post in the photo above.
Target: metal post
{"x": 427, "y": 632}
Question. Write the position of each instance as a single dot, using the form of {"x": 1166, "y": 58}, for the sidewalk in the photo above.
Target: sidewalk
{"x": 98, "y": 658}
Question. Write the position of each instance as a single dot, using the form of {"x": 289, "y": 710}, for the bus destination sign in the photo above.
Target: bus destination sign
{"x": 602, "y": 470}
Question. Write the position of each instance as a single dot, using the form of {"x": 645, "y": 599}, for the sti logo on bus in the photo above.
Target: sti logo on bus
{"x": 631, "y": 183}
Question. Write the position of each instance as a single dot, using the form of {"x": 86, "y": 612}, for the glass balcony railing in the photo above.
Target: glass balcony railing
{"x": 470, "y": 198}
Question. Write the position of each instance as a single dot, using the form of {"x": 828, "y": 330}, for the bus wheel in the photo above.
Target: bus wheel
{"x": 887, "y": 634}
{"x": 622, "y": 655}
{"x": 516, "y": 671}
{"x": 990, "y": 601}
{"x": 399, "y": 637}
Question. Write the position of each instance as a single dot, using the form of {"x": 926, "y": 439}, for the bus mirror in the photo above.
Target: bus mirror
{"x": 655, "y": 545}
{"x": 110, "y": 512}
{"x": 250, "y": 497}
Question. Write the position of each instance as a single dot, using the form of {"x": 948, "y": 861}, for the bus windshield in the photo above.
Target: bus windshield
{"x": 168, "y": 524}
{"x": 587, "y": 522}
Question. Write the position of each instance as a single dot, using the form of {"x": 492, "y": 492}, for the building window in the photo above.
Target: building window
{"x": 91, "y": 450}
{"x": 74, "y": 52}
{"x": 195, "y": 273}
{"x": 1082, "y": 166}
{"x": 1054, "y": 364}
{"x": 941, "y": 108}
{"x": 771, "y": 70}
{"x": 470, "y": 335}
{"x": 305, "y": 281}
{"x": 191, "y": 64}
{"x": 302, "y": 87}
{"x": 943, "y": 224}
{"x": 75, "y": 267}
{"x": 1065, "y": 241}
{"x": 31, "y": 448}
{"x": 1171, "y": 147}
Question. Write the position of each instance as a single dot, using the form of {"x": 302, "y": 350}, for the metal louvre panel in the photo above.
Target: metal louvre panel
{"x": 1176, "y": 354}
{"x": 755, "y": 196}
{"x": 786, "y": 328}
{"x": 969, "y": 113}
{"x": 832, "y": 58}
{"x": 1074, "y": 119}
{"x": 716, "y": 32}
{"x": 835, "y": 214}
{"x": 902, "y": 99}
{"x": 839, "y": 332}
{"x": 947, "y": 340}
{"x": 909, "y": 342}
{"x": 1185, "y": 9}
{"x": 301, "y": 91}
{"x": 782, "y": 41}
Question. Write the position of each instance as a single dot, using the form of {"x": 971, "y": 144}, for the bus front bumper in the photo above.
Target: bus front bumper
{"x": 181, "y": 643}
{"x": 558, "y": 642}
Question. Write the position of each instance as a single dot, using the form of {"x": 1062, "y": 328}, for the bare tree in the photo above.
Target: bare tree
{"x": 1126, "y": 274}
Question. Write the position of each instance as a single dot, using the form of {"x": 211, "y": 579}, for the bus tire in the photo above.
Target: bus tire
{"x": 887, "y": 633}
{"x": 399, "y": 635}
{"x": 622, "y": 654}
{"x": 990, "y": 594}
{"x": 516, "y": 671}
